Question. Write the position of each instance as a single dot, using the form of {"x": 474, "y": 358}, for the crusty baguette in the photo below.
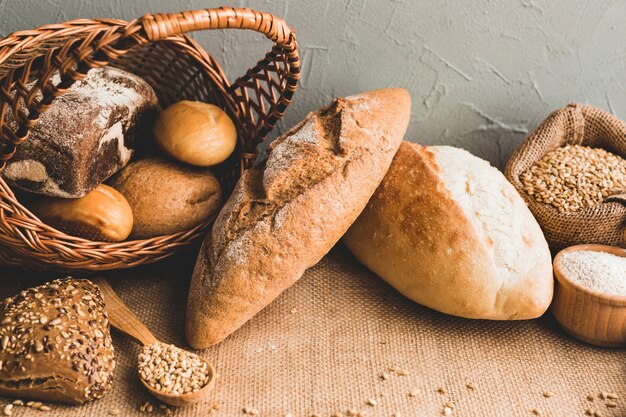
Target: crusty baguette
{"x": 286, "y": 214}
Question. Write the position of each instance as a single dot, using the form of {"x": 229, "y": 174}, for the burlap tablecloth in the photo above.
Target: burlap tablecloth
{"x": 322, "y": 346}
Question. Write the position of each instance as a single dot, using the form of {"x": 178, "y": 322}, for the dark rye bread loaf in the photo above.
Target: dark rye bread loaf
{"x": 87, "y": 135}
{"x": 55, "y": 343}
{"x": 286, "y": 214}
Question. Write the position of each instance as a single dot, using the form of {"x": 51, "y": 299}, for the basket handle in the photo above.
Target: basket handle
{"x": 163, "y": 25}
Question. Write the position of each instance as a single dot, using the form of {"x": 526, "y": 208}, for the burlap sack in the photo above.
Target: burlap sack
{"x": 582, "y": 125}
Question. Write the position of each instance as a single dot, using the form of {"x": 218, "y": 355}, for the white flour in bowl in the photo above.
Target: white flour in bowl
{"x": 598, "y": 271}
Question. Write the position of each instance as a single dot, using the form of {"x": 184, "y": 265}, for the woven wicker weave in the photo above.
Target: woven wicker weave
{"x": 154, "y": 48}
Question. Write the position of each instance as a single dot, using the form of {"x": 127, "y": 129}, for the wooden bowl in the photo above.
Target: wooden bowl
{"x": 589, "y": 315}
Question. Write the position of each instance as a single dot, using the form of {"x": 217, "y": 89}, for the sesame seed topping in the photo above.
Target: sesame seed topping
{"x": 38, "y": 346}
{"x": 37, "y": 322}
{"x": 55, "y": 322}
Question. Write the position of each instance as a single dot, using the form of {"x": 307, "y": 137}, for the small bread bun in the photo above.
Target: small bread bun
{"x": 103, "y": 214}
{"x": 196, "y": 133}
{"x": 166, "y": 196}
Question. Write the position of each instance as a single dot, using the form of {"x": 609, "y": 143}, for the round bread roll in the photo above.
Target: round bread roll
{"x": 167, "y": 197}
{"x": 102, "y": 214}
{"x": 196, "y": 133}
{"x": 448, "y": 231}
{"x": 55, "y": 343}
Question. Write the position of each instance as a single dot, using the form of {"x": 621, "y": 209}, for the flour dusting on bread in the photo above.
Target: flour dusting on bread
{"x": 101, "y": 118}
{"x": 288, "y": 212}
{"x": 495, "y": 219}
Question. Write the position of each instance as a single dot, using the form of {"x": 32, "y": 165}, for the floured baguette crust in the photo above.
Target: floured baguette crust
{"x": 55, "y": 343}
{"x": 287, "y": 213}
{"x": 430, "y": 233}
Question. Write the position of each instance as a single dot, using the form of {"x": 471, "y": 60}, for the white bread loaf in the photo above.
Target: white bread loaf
{"x": 448, "y": 231}
{"x": 286, "y": 214}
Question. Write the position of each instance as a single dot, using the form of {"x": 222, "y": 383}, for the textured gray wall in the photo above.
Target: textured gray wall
{"x": 481, "y": 73}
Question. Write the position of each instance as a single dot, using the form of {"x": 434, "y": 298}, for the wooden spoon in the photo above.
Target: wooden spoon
{"x": 124, "y": 320}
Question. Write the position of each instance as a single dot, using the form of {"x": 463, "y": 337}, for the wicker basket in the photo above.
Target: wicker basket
{"x": 154, "y": 48}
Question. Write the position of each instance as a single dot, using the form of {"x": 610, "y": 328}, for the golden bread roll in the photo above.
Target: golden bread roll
{"x": 167, "y": 197}
{"x": 448, "y": 231}
{"x": 196, "y": 133}
{"x": 102, "y": 214}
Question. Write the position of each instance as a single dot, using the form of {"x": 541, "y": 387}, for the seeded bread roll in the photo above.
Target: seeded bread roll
{"x": 287, "y": 213}
{"x": 55, "y": 343}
